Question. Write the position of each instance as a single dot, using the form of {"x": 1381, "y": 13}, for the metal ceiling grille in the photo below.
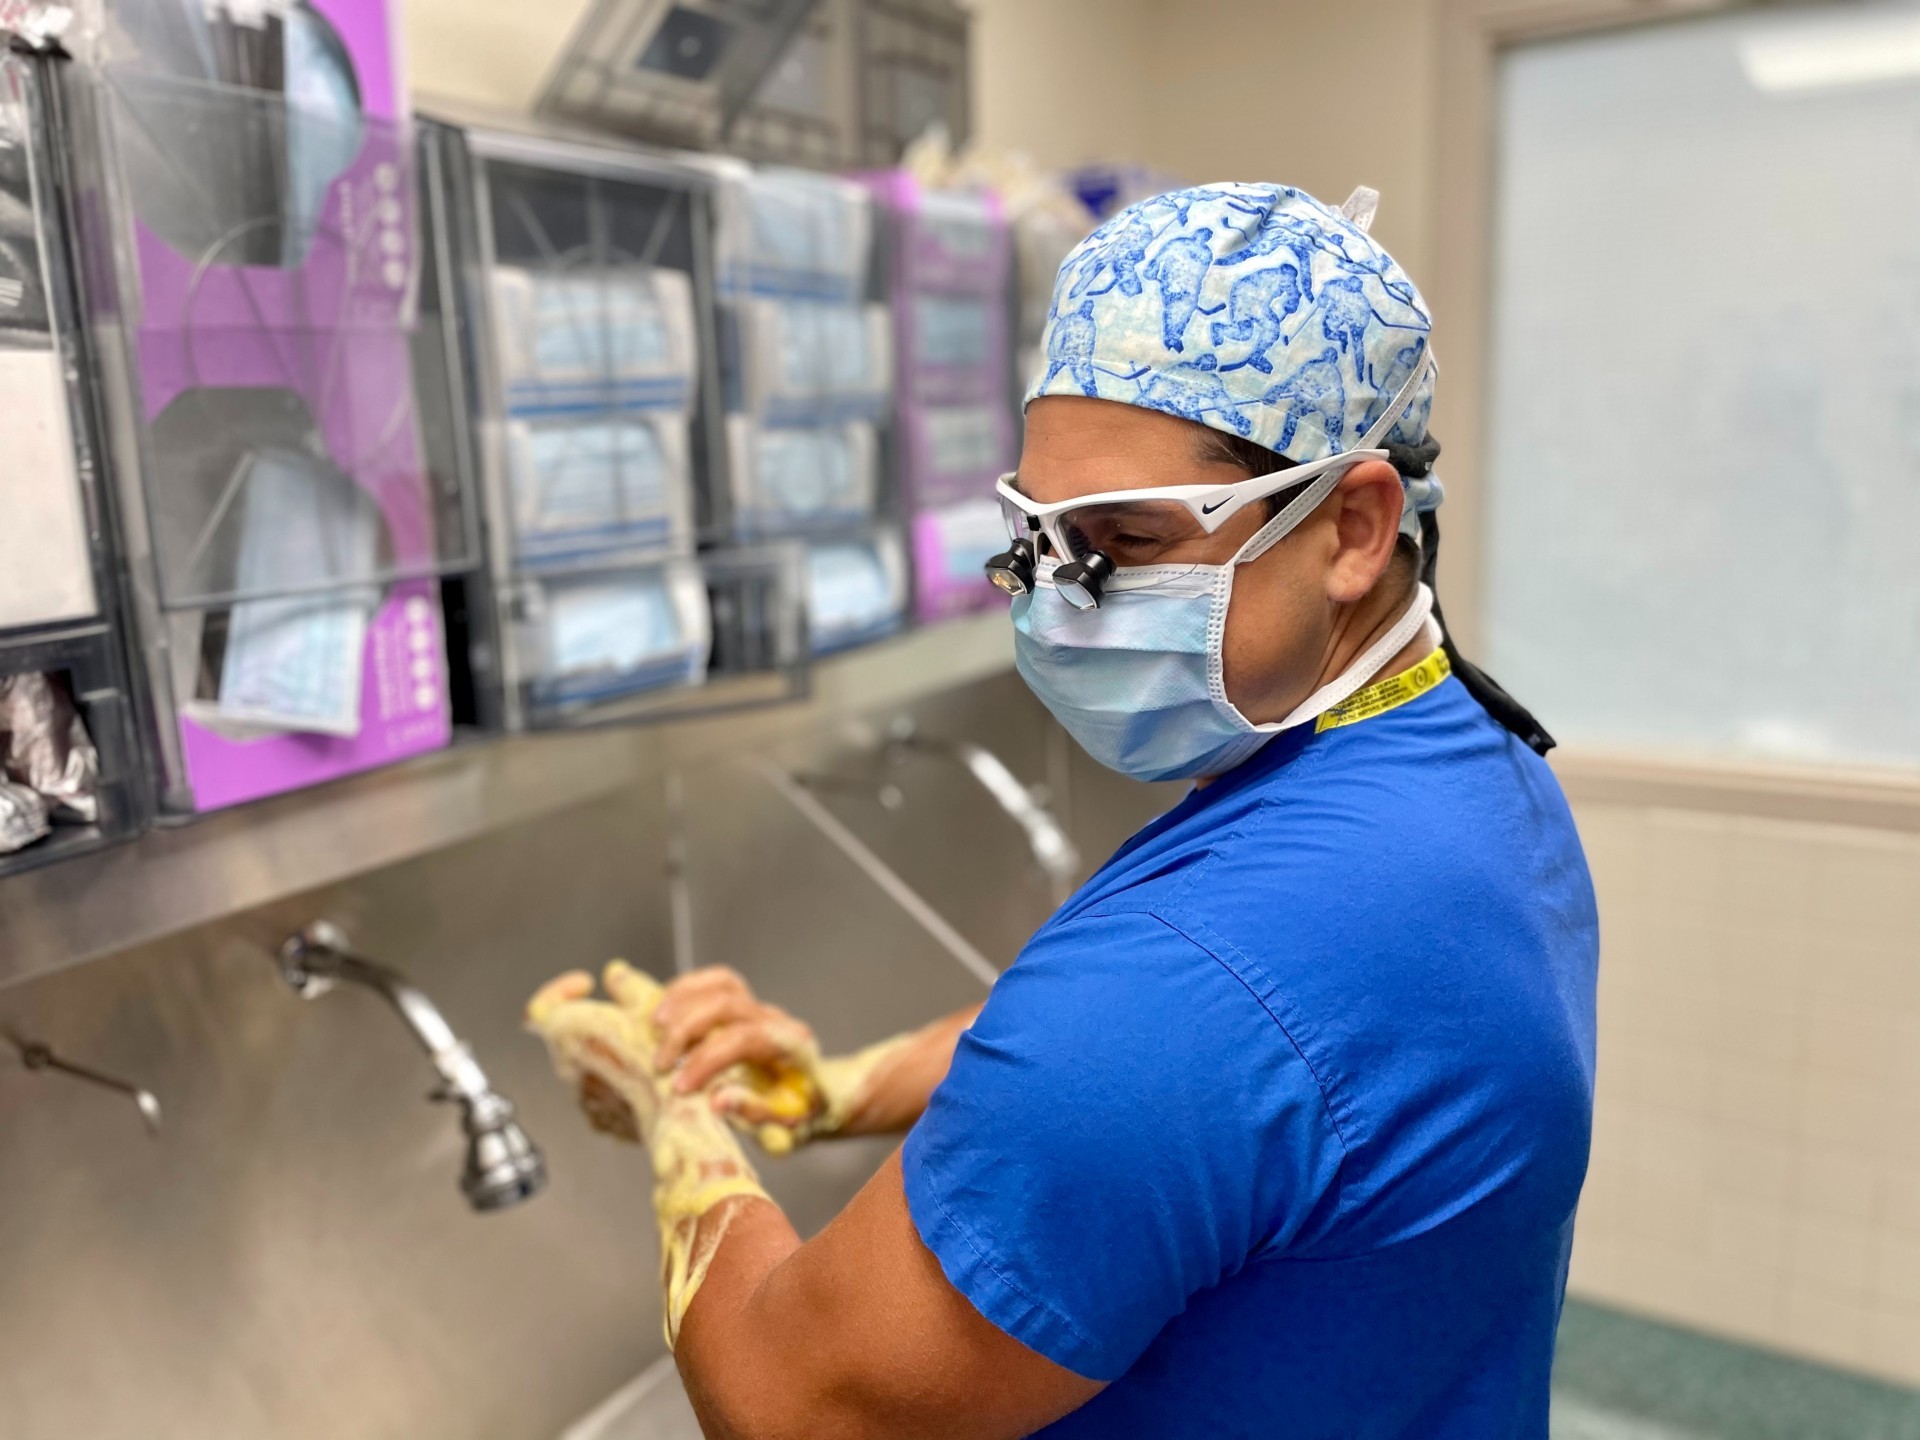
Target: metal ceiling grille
{"x": 674, "y": 71}
{"x": 824, "y": 83}
{"x": 914, "y": 68}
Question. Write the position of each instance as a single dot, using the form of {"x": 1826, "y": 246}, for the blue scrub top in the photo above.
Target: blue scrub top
{"x": 1279, "y": 1124}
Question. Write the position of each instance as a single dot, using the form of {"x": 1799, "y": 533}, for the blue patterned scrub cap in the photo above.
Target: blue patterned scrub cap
{"x": 1251, "y": 308}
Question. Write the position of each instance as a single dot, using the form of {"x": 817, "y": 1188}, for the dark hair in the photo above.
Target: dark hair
{"x": 1220, "y": 447}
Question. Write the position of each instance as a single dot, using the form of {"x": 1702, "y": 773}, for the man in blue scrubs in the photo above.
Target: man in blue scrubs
{"x": 1278, "y": 1126}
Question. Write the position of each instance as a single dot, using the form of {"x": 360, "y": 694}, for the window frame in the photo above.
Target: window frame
{"x": 1471, "y": 34}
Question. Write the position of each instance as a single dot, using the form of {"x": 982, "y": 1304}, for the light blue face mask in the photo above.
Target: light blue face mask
{"x": 1140, "y": 682}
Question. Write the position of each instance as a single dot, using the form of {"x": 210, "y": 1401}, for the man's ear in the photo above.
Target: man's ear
{"x": 1365, "y": 509}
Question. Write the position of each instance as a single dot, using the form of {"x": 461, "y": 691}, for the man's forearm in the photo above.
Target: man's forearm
{"x": 904, "y": 1080}
{"x": 728, "y": 1374}
{"x": 855, "y": 1335}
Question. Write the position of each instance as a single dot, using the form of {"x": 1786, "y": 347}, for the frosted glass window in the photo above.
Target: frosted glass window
{"x": 1704, "y": 459}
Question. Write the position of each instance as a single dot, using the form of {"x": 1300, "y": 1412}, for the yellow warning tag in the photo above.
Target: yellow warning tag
{"x": 1384, "y": 695}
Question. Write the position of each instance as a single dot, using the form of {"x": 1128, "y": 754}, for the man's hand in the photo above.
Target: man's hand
{"x": 606, "y": 1049}
{"x": 767, "y": 1064}
{"x": 767, "y": 1073}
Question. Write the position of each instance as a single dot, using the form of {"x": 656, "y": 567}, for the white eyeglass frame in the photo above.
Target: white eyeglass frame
{"x": 1210, "y": 505}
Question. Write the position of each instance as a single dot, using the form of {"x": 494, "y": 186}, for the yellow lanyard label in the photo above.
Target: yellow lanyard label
{"x": 1385, "y": 695}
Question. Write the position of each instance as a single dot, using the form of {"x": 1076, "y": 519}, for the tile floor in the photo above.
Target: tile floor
{"x": 1622, "y": 1378}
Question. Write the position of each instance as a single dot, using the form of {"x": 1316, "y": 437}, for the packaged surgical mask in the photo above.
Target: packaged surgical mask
{"x": 952, "y": 332}
{"x": 591, "y": 488}
{"x": 618, "y": 634}
{"x": 856, "y": 590}
{"x": 966, "y": 440}
{"x": 805, "y": 361}
{"x": 571, "y": 341}
{"x": 944, "y": 241}
{"x": 794, "y": 476}
{"x": 323, "y": 124}
{"x": 294, "y": 661}
{"x": 792, "y": 232}
{"x": 963, "y": 227}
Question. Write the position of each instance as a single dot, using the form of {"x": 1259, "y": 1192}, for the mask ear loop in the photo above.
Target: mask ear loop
{"x": 1297, "y": 509}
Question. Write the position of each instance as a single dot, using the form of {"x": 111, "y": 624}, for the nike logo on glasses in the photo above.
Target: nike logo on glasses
{"x": 1209, "y": 509}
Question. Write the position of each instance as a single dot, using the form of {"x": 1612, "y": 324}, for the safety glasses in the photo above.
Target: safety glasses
{"x": 1091, "y": 536}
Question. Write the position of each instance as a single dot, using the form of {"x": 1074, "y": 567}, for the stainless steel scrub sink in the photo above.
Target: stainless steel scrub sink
{"x": 653, "y": 1407}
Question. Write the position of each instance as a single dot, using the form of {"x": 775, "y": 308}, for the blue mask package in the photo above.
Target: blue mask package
{"x": 598, "y": 487}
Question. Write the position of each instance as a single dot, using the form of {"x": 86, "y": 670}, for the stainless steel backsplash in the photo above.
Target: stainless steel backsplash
{"x": 291, "y": 1257}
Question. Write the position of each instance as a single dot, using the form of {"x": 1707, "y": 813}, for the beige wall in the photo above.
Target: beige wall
{"x": 1323, "y": 96}
{"x": 493, "y": 53}
{"x": 1060, "y": 79}
{"x": 1756, "y": 1163}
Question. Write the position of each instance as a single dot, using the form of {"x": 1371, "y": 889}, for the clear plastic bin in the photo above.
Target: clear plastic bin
{"x": 857, "y": 589}
{"x": 275, "y": 375}
{"x": 58, "y": 619}
{"x": 610, "y": 593}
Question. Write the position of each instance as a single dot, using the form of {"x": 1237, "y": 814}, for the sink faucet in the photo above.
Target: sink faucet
{"x": 1053, "y": 849}
{"x": 502, "y": 1165}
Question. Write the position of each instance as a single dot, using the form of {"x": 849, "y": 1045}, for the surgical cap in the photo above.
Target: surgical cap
{"x": 1251, "y": 308}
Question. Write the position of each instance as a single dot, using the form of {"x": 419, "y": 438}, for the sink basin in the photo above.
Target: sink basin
{"x": 652, "y": 1406}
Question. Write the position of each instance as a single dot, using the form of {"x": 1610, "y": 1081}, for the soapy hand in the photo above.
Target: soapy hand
{"x": 764, "y": 1066}
{"x": 606, "y": 1049}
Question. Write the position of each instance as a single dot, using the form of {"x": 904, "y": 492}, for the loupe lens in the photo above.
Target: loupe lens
{"x": 1080, "y": 582}
{"x": 1012, "y": 568}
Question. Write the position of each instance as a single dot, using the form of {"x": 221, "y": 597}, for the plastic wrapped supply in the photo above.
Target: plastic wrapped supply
{"x": 45, "y": 572}
{"x": 23, "y": 817}
{"x": 792, "y": 232}
{"x": 618, "y": 634}
{"x": 952, "y": 332}
{"x": 581, "y": 342}
{"x": 951, "y": 546}
{"x": 295, "y": 663}
{"x": 590, "y": 489}
{"x": 811, "y": 361}
{"x": 803, "y": 476}
{"x": 48, "y": 749}
{"x": 856, "y": 591}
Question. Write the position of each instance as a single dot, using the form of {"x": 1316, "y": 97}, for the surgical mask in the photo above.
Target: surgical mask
{"x": 596, "y": 486}
{"x": 963, "y": 439}
{"x": 323, "y": 125}
{"x": 807, "y": 473}
{"x": 951, "y": 332}
{"x": 1140, "y": 682}
{"x": 854, "y": 589}
{"x": 609, "y": 637}
{"x": 294, "y": 662}
{"x": 1138, "y": 676}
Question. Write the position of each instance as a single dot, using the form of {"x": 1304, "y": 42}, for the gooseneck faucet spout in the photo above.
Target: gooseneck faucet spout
{"x": 503, "y": 1167}
{"x": 1053, "y": 849}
